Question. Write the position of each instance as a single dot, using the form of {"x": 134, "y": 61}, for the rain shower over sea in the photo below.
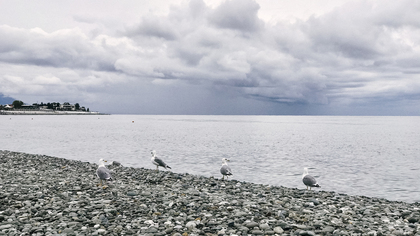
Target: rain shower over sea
{"x": 355, "y": 155}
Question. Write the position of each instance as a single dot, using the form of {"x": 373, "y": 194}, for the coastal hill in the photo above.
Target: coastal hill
{"x": 54, "y": 108}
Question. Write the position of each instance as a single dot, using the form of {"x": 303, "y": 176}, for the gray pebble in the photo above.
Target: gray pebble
{"x": 257, "y": 232}
{"x": 251, "y": 224}
{"x": 40, "y": 195}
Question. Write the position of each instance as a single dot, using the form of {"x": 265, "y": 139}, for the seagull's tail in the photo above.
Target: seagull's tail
{"x": 109, "y": 179}
{"x": 168, "y": 167}
{"x": 316, "y": 185}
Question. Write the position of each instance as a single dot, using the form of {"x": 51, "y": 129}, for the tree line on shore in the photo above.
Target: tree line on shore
{"x": 66, "y": 106}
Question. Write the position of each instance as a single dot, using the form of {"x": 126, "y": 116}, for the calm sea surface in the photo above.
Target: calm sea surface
{"x": 370, "y": 156}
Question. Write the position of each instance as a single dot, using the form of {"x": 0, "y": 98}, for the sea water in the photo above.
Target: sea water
{"x": 356, "y": 155}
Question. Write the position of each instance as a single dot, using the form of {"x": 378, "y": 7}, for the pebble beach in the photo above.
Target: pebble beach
{"x": 43, "y": 195}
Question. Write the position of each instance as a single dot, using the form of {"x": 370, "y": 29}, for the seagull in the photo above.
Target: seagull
{"x": 102, "y": 172}
{"x": 158, "y": 162}
{"x": 309, "y": 180}
{"x": 225, "y": 170}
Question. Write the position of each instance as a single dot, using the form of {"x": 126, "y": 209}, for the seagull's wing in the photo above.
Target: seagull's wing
{"x": 225, "y": 170}
{"x": 310, "y": 181}
{"x": 159, "y": 162}
{"x": 103, "y": 173}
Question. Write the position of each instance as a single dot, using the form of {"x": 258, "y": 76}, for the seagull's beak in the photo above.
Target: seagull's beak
{"x": 105, "y": 161}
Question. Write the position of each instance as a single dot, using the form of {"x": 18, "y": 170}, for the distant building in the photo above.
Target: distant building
{"x": 54, "y": 106}
{"x": 28, "y": 107}
{"x": 67, "y": 107}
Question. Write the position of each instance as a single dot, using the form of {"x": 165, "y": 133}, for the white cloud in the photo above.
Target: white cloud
{"x": 236, "y": 61}
{"x": 239, "y": 15}
{"x": 46, "y": 80}
{"x": 360, "y": 53}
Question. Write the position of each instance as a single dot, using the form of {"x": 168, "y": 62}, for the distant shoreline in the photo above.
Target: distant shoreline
{"x": 41, "y": 112}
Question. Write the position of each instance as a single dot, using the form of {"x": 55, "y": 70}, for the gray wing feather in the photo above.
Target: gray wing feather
{"x": 225, "y": 170}
{"x": 159, "y": 162}
{"x": 103, "y": 173}
{"x": 309, "y": 180}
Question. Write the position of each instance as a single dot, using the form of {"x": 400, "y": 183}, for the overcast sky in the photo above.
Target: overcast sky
{"x": 301, "y": 57}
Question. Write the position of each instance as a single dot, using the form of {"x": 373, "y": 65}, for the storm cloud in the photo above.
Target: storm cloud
{"x": 362, "y": 58}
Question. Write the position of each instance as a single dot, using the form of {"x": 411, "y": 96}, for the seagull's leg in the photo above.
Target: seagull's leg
{"x": 306, "y": 187}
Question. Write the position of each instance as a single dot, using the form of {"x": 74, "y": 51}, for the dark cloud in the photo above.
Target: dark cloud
{"x": 64, "y": 48}
{"x": 190, "y": 56}
{"x": 356, "y": 59}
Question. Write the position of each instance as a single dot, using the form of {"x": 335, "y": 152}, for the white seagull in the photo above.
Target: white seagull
{"x": 102, "y": 172}
{"x": 158, "y": 162}
{"x": 309, "y": 180}
{"x": 225, "y": 170}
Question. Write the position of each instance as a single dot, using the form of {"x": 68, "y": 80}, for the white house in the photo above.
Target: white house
{"x": 68, "y": 107}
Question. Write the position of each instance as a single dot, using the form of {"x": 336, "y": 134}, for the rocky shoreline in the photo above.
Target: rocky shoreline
{"x": 42, "y": 195}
